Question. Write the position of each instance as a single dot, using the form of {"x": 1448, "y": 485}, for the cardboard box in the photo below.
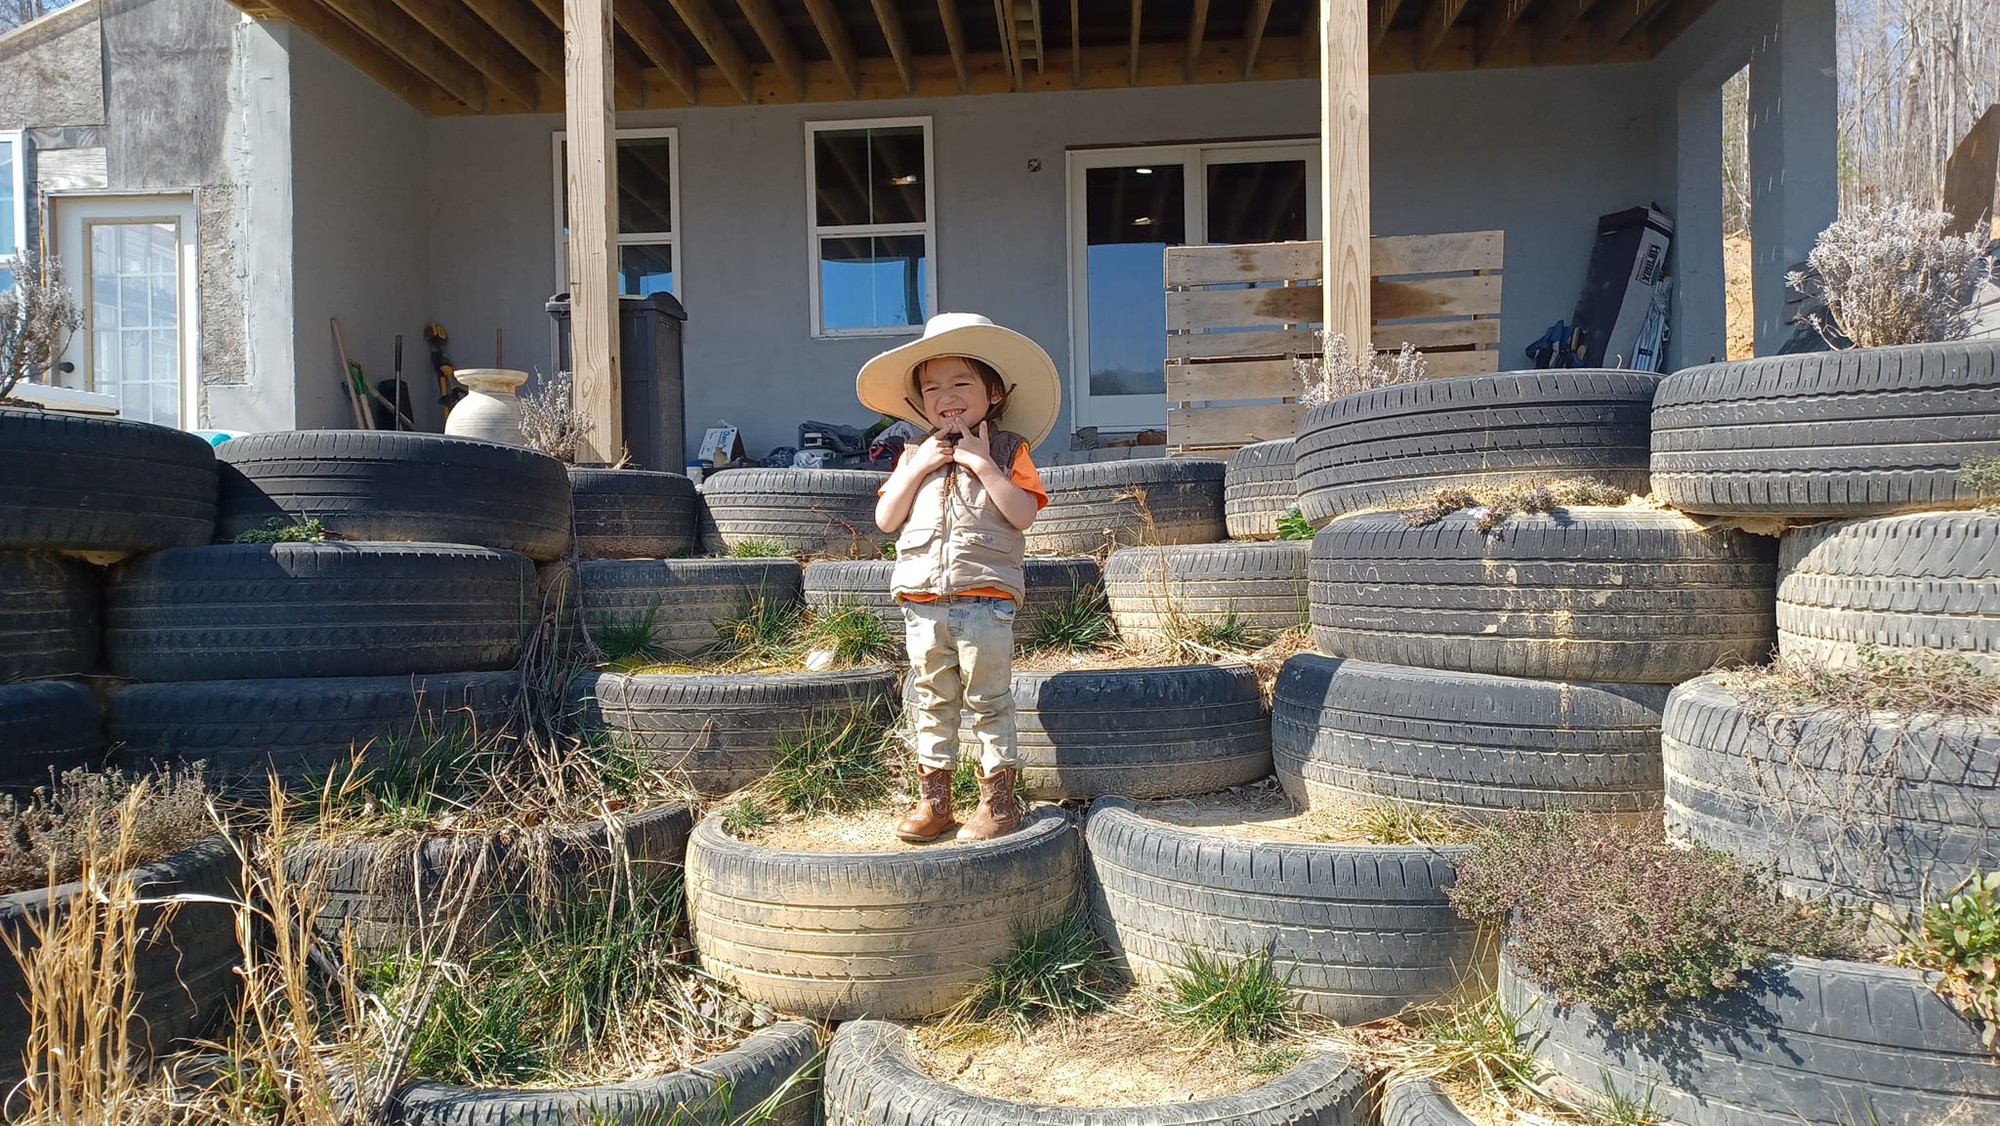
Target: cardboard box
{"x": 1628, "y": 262}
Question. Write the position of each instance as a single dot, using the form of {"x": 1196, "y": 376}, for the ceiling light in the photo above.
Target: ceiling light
{"x": 1143, "y": 171}
{"x": 1143, "y": 221}
{"x": 904, "y": 181}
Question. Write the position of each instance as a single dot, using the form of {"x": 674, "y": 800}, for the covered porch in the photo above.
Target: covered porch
{"x": 463, "y": 159}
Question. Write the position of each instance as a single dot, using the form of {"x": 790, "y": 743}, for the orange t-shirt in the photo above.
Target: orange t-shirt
{"x": 1026, "y": 478}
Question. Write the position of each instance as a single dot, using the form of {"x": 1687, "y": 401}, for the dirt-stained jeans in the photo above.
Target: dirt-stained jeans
{"x": 962, "y": 660}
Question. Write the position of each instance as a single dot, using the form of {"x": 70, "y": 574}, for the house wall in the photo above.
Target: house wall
{"x": 53, "y": 70}
{"x": 1539, "y": 153}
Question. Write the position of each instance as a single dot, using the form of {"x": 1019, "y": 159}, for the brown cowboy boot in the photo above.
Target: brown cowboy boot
{"x": 999, "y": 810}
{"x": 931, "y": 818}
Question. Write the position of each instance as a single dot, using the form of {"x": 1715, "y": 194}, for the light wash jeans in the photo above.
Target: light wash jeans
{"x": 962, "y": 661}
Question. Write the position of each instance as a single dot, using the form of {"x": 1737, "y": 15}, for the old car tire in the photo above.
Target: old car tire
{"x": 1861, "y": 432}
{"x": 1884, "y": 807}
{"x": 631, "y": 513}
{"x": 184, "y": 971}
{"x": 803, "y": 511}
{"x": 46, "y": 728}
{"x": 1166, "y": 731}
{"x": 871, "y": 1081}
{"x": 247, "y": 611}
{"x": 687, "y": 599}
{"x": 1158, "y": 592}
{"x": 1810, "y": 1040}
{"x": 775, "y": 1064}
{"x": 51, "y": 612}
{"x": 1621, "y": 595}
{"x": 303, "y": 729}
{"x": 838, "y": 935}
{"x": 724, "y": 731}
{"x": 1397, "y": 443}
{"x": 397, "y": 486}
{"x": 70, "y": 483}
{"x": 1261, "y": 484}
{"x": 1926, "y": 580}
{"x": 1361, "y": 930}
{"x": 1349, "y": 733}
{"x": 1100, "y": 505}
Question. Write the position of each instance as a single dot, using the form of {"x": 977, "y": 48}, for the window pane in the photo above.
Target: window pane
{"x": 9, "y": 237}
{"x": 1134, "y": 214}
{"x": 645, "y": 186}
{"x": 135, "y": 305}
{"x": 644, "y": 270}
{"x": 872, "y": 282}
{"x": 6, "y": 279}
{"x": 1257, "y": 201}
{"x": 866, "y": 176}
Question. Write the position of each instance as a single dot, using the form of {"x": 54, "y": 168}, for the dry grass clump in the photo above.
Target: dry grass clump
{"x": 550, "y": 420}
{"x": 1493, "y": 505}
{"x": 38, "y": 316}
{"x": 48, "y": 841}
{"x": 1609, "y": 913}
{"x": 1893, "y": 275}
{"x": 1917, "y": 682}
{"x": 1340, "y": 370}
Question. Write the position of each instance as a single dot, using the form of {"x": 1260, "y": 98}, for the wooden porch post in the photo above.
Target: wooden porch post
{"x": 591, "y": 177}
{"x": 1343, "y": 155}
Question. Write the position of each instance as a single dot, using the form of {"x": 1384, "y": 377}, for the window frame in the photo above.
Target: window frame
{"x": 670, "y": 239}
{"x": 17, "y": 139}
{"x": 815, "y": 233}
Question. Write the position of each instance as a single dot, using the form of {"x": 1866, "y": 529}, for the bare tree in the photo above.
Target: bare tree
{"x": 1914, "y": 76}
{"x": 1736, "y": 154}
{"x": 14, "y": 13}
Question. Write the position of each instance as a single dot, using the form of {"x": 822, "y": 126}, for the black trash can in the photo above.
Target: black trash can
{"x": 649, "y": 376}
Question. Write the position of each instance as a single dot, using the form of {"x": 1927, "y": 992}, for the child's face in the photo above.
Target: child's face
{"x": 954, "y": 396}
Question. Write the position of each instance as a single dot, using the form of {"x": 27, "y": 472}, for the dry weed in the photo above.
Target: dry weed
{"x": 38, "y": 316}
{"x": 550, "y": 419}
{"x": 1893, "y": 276}
{"x": 49, "y": 838}
{"x": 1493, "y": 505}
{"x": 1340, "y": 370}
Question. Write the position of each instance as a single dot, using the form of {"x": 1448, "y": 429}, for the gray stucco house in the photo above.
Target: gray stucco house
{"x": 812, "y": 177}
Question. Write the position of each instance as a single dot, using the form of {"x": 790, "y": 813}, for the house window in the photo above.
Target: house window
{"x": 871, "y": 214}
{"x": 13, "y": 205}
{"x": 649, "y": 204}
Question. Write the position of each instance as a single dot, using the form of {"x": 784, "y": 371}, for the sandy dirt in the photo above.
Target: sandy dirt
{"x": 872, "y": 830}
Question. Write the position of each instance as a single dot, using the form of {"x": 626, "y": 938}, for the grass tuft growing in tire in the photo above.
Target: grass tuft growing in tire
{"x": 405, "y": 781}
{"x": 1927, "y": 682}
{"x": 1607, "y": 912}
{"x": 627, "y": 641}
{"x": 761, "y": 632}
{"x": 849, "y": 633}
{"x": 1077, "y": 623}
{"x": 1239, "y": 999}
{"x": 757, "y": 549}
{"x": 1956, "y": 941}
{"x": 839, "y": 764}
{"x": 280, "y": 530}
{"x": 1059, "y": 973}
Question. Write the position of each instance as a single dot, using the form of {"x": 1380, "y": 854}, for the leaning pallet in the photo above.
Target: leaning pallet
{"x": 839, "y": 935}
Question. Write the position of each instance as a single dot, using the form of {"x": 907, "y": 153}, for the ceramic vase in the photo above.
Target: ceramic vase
{"x": 489, "y": 412}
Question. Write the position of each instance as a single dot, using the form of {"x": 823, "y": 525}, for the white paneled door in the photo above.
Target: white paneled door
{"x": 130, "y": 260}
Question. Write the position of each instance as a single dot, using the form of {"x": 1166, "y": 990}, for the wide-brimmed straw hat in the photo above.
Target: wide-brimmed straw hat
{"x": 1034, "y": 397}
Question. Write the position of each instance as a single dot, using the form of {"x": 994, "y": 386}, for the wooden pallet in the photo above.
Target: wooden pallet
{"x": 1232, "y": 377}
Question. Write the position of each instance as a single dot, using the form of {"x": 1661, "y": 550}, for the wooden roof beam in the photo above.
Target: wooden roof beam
{"x": 1075, "y": 43}
{"x": 1616, "y": 21}
{"x": 770, "y": 29}
{"x": 954, "y": 38}
{"x": 1197, "y": 28}
{"x": 1132, "y": 69}
{"x": 1553, "y": 20}
{"x": 1010, "y": 44}
{"x": 899, "y": 43}
{"x": 1437, "y": 24}
{"x": 839, "y": 45}
{"x": 630, "y": 84}
{"x": 411, "y": 85}
{"x": 1381, "y": 13}
{"x": 525, "y": 32}
{"x": 1253, "y": 34}
{"x": 1497, "y": 24}
{"x": 395, "y": 32}
{"x": 720, "y": 45}
{"x": 477, "y": 43}
{"x": 650, "y": 33}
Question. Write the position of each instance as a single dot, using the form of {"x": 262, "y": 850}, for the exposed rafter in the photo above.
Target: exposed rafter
{"x": 1381, "y": 13}
{"x": 722, "y": 48}
{"x": 1253, "y": 34}
{"x": 899, "y": 43}
{"x": 1618, "y": 20}
{"x": 839, "y": 45}
{"x": 395, "y": 32}
{"x": 1197, "y": 28}
{"x": 1496, "y": 25}
{"x": 1438, "y": 20}
{"x": 631, "y": 86}
{"x": 525, "y": 31}
{"x": 649, "y": 32}
{"x": 770, "y": 29}
{"x": 1553, "y": 20}
{"x": 477, "y": 43}
{"x": 1138, "y": 13}
{"x": 1076, "y": 42}
{"x": 411, "y": 85}
{"x": 954, "y": 38}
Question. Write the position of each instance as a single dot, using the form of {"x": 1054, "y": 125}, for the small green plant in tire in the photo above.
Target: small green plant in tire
{"x": 1958, "y": 939}
{"x": 1060, "y": 972}
{"x": 1239, "y": 999}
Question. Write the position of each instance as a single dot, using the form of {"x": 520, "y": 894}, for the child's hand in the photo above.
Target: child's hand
{"x": 975, "y": 449}
{"x": 932, "y": 455}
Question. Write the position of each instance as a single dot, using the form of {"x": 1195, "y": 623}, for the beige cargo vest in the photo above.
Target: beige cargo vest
{"x": 956, "y": 538}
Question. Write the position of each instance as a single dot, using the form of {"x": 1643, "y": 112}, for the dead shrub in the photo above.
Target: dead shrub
{"x": 1493, "y": 505}
{"x": 47, "y": 841}
{"x": 1340, "y": 370}
{"x": 38, "y": 316}
{"x": 1893, "y": 276}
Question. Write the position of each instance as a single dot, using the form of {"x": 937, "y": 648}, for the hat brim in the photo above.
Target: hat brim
{"x": 1035, "y": 400}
